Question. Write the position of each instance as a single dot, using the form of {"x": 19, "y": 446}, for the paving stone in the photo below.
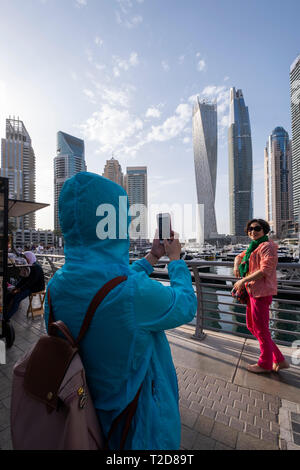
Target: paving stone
{"x": 254, "y": 410}
{"x": 204, "y": 425}
{"x": 221, "y": 383}
{"x": 209, "y": 379}
{"x": 184, "y": 402}
{"x": 195, "y": 406}
{"x": 263, "y": 405}
{"x": 244, "y": 391}
{"x": 274, "y": 408}
{"x": 188, "y": 437}
{"x": 203, "y": 392}
{"x": 247, "y": 442}
{"x": 269, "y": 415}
{"x": 204, "y": 443}
{"x": 232, "y": 412}
{"x": 248, "y": 400}
{"x": 220, "y": 446}
{"x": 240, "y": 406}
{"x": 207, "y": 402}
{"x": 232, "y": 387}
{"x": 235, "y": 395}
{"x": 222, "y": 418}
{"x": 256, "y": 394}
{"x": 188, "y": 417}
{"x": 227, "y": 401}
{"x": 262, "y": 423}
{"x": 253, "y": 430}
{"x": 247, "y": 417}
{"x": 195, "y": 397}
{"x": 192, "y": 388}
{"x": 217, "y": 406}
{"x": 209, "y": 413}
{"x": 270, "y": 436}
{"x": 224, "y": 434}
{"x": 237, "y": 424}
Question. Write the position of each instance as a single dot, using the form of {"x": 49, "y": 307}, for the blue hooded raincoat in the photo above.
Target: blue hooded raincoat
{"x": 125, "y": 345}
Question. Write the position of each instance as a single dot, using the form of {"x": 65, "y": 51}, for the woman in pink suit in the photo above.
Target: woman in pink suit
{"x": 257, "y": 268}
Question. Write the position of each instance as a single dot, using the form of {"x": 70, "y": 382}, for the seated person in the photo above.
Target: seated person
{"x": 30, "y": 282}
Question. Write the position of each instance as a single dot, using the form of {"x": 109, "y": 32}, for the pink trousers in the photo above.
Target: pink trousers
{"x": 257, "y": 318}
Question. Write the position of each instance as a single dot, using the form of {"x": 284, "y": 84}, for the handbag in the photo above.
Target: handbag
{"x": 240, "y": 296}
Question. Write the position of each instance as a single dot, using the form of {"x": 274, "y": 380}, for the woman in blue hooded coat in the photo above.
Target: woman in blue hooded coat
{"x": 125, "y": 346}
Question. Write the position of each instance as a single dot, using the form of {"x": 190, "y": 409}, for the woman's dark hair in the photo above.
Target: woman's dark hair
{"x": 264, "y": 224}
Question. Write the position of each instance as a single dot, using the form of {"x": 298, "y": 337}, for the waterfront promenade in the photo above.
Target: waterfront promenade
{"x": 222, "y": 405}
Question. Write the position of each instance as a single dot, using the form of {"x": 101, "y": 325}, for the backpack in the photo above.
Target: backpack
{"x": 51, "y": 407}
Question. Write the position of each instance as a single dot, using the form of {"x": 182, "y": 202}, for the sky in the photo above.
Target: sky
{"x": 123, "y": 76}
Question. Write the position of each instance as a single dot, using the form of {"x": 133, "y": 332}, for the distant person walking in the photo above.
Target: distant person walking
{"x": 257, "y": 268}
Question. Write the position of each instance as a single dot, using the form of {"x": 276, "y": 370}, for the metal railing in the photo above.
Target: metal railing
{"x": 207, "y": 284}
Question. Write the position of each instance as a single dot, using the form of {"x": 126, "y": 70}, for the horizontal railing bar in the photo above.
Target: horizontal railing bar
{"x": 244, "y": 335}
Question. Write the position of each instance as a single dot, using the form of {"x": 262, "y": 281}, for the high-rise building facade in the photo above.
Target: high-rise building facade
{"x": 18, "y": 165}
{"x": 205, "y": 143}
{"x": 113, "y": 171}
{"x": 68, "y": 162}
{"x": 136, "y": 187}
{"x": 240, "y": 164}
{"x": 295, "y": 111}
{"x": 278, "y": 181}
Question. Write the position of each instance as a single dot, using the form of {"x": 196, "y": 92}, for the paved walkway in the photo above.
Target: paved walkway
{"x": 222, "y": 405}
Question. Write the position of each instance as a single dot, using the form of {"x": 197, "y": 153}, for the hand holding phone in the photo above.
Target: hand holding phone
{"x": 164, "y": 227}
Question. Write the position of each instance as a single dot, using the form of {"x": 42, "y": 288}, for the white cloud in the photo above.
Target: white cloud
{"x": 165, "y": 65}
{"x": 81, "y": 3}
{"x": 181, "y": 59}
{"x": 89, "y": 94}
{"x": 98, "y": 41}
{"x": 201, "y": 65}
{"x": 186, "y": 140}
{"x": 153, "y": 112}
{"x": 172, "y": 126}
{"x": 123, "y": 64}
{"x": 111, "y": 127}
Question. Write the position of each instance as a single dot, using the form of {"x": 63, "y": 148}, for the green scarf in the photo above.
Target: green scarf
{"x": 244, "y": 266}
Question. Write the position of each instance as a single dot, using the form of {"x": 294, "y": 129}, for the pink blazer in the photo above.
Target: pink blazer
{"x": 264, "y": 258}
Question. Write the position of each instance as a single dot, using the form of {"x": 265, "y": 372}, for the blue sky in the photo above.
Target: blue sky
{"x": 122, "y": 75}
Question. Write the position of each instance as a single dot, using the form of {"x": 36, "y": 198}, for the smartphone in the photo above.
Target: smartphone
{"x": 164, "y": 226}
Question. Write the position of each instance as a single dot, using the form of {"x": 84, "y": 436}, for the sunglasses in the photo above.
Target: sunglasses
{"x": 257, "y": 228}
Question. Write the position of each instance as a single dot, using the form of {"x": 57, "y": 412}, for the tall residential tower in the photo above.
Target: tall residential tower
{"x": 278, "y": 181}
{"x": 136, "y": 187}
{"x": 113, "y": 171}
{"x": 68, "y": 162}
{"x": 295, "y": 110}
{"x": 240, "y": 164}
{"x": 205, "y": 142}
{"x": 18, "y": 165}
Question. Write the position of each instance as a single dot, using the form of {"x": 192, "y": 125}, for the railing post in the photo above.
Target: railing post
{"x": 199, "y": 334}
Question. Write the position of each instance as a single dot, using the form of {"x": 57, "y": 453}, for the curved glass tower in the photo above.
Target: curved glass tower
{"x": 68, "y": 162}
{"x": 205, "y": 142}
{"x": 240, "y": 164}
{"x": 278, "y": 180}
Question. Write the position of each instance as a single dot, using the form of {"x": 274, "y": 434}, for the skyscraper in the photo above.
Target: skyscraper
{"x": 113, "y": 171}
{"x": 278, "y": 181}
{"x": 136, "y": 187}
{"x": 18, "y": 165}
{"x": 240, "y": 164}
{"x": 295, "y": 111}
{"x": 205, "y": 142}
{"x": 68, "y": 162}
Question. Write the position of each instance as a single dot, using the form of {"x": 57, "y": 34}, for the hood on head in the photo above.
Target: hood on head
{"x": 30, "y": 257}
{"x": 89, "y": 206}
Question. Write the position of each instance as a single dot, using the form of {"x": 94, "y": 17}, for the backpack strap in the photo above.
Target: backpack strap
{"x": 96, "y": 302}
{"x": 128, "y": 413}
